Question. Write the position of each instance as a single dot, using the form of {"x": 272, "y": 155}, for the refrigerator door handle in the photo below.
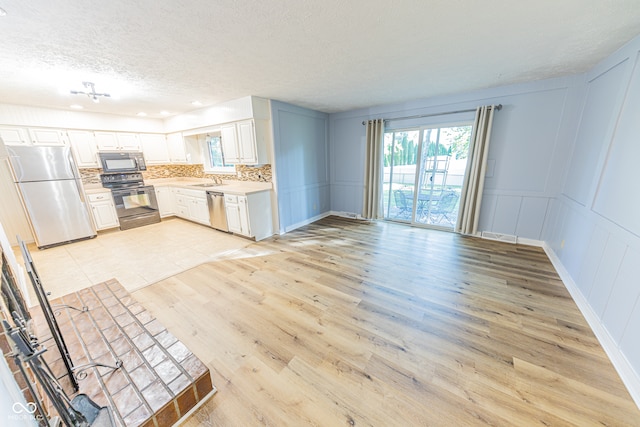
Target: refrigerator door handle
{"x": 77, "y": 179}
{"x": 80, "y": 192}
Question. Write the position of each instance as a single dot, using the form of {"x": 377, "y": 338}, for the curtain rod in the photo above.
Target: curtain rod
{"x": 497, "y": 107}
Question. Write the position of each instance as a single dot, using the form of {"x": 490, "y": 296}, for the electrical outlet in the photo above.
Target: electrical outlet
{"x": 562, "y": 244}
{"x": 315, "y": 207}
{"x": 239, "y": 174}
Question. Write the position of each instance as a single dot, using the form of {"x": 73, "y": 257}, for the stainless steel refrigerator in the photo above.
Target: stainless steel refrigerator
{"x": 51, "y": 190}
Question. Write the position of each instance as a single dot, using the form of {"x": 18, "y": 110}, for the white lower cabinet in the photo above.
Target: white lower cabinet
{"x": 234, "y": 220}
{"x": 198, "y": 210}
{"x": 250, "y": 215}
{"x": 192, "y": 205}
{"x": 166, "y": 201}
{"x": 103, "y": 210}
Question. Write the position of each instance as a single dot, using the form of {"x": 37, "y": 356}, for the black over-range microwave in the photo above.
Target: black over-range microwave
{"x": 122, "y": 161}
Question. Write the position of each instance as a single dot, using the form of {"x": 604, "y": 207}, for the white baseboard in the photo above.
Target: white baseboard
{"x": 628, "y": 375}
{"x": 306, "y": 222}
{"x": 319, "y": 217}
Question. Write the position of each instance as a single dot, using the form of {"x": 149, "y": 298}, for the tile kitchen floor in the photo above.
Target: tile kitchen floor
{"x": 136, "y": 257}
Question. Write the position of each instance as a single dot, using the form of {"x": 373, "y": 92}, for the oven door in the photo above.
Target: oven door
{"x": 136, "y": 206}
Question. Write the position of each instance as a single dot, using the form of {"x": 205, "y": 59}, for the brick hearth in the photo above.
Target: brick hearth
{"x": 160, "y": 379}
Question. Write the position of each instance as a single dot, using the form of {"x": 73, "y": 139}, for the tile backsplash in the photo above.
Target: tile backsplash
{"x": 243, "y": 173}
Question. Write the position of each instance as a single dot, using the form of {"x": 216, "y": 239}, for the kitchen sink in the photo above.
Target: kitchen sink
{"x": 207, "y": 184}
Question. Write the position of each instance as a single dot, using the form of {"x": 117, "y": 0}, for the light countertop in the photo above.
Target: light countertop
{"x": 227, "y": 186}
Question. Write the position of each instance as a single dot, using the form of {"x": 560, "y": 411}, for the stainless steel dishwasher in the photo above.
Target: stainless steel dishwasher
{"x": 217, "y": 212}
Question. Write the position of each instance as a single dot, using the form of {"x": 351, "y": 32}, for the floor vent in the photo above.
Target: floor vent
{"x": 500, "y": 237}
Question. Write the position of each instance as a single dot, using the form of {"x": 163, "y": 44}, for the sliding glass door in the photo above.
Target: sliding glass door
{"x": 400, "y": 159}
{"x": 424, "y": 170}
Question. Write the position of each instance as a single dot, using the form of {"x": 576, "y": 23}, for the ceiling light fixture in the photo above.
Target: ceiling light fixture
{"x": 76, "y": 106}
{"x": 196, "y": 104}
{"x": 165, "y": 113}
{"x": 142, "y": 114}
{"x": 93, "y": 95}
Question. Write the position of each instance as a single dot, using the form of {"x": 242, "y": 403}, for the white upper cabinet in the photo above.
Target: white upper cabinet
{"x": 128, "y": 141}
{"x": 33, "y": 136}
{"x": 106, "y": 141}
{"x": 117, "y": 141}
{"x": 245, "y": 142}
{"x": 84, "y": 148}
{"x": 14, "y": 136}
{"x": 176, "y": 147}
{"x": 154, "y": 147}
{"x": 48, "y": 137}
{"x": 229, "y": 141}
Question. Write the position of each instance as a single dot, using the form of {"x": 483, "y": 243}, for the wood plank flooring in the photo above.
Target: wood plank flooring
{"x": 345, "y": 322}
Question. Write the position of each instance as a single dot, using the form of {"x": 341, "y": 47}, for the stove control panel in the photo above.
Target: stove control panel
{"x": 114, "y": 180}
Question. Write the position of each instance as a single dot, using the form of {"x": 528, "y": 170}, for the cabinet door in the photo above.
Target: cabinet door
{"x": 229, "y": 140}
{"x": 247, "y": 142}
{"x": 199, "y": 210}
{"x": 104, "y": 215}
{"x": 166, "y": 201}
{"x": 233, "y": 218}
{"x": 106, "y": 141}
{"x": 176, "y": 147}
{"x": 128, "y": 141}
{"x": 243, "y": 212}
{"x": 181, "y": 204}
{"x": 47, "y": 137}
{"x": 154, "y": 147}
{"x": 84, "y": 147}
{"x": 13, "y": 136}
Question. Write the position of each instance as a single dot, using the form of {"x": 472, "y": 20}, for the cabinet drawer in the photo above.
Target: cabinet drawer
{"x": 230, "y": 198}
{"x": 181, "y": 199}
{"x": 182, "y": 211}
{"x": 99, "y": 197}
{"x": 202, "y": 194}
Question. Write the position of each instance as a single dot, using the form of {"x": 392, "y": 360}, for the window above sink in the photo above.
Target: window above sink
{"x": 214, "y": 155}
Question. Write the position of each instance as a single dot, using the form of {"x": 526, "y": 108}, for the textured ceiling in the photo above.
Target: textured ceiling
{"x": 329, "y": 55}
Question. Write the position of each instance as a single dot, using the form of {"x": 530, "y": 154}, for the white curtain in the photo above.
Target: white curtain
{"x": 373, "y": 170}
{"x": 471, "y": 195}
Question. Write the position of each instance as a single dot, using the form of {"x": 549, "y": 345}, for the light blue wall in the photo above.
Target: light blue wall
{"x": 563, "y": 166}
{"x": 301, "y": 148}
{"x": 593, "y": 225}
{"x": 529, "y": 143}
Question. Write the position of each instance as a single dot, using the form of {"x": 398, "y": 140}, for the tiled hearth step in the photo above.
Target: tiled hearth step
{"x": 160, "y": 378}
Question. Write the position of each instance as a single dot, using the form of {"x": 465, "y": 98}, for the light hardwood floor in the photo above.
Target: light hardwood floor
{"x": 352, "y": 323}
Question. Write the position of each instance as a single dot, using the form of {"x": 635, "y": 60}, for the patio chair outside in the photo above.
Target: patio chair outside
{"x": 443, "y": 210}
{"x": 403, "y": 203}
